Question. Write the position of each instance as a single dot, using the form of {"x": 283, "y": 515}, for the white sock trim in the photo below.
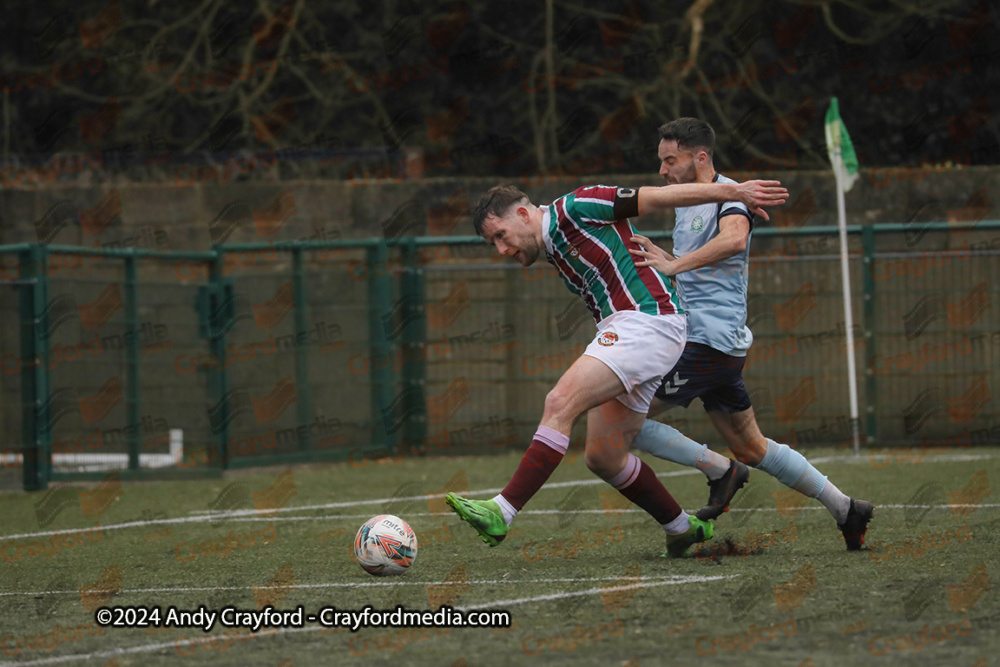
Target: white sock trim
{"x": 678, "y": 525}
{"x": 713, "y": 464}
{"x": 553, "y": 438}
{"x": 628, "y": 473}
{"x": 835, "y": 501}
{"x": 508, "y": 510}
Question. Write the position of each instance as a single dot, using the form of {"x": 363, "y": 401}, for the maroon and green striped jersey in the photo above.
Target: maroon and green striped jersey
{"x": 587, "y": 236}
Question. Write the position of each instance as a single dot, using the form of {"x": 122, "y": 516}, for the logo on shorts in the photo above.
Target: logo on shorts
{"x": 672, "y": 384}
{"x": 573, "y": 252}
{"x": 607, "y": 339}
{"x": 697, "y": 224}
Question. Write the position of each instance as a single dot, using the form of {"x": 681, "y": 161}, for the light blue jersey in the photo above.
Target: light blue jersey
{"x": 714, "y": 296}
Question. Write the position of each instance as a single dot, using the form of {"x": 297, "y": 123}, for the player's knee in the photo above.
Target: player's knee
{"x": 602, "y": 463}
{"x": 749, "y": 453}
{"x": 559, "y": 404}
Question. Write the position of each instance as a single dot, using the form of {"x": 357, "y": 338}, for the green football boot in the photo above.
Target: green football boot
{"x": 483, "y": 515}
{"x": 699, "y": 531}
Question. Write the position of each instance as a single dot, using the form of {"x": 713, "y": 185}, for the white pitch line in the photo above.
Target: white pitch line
{"x": 360, "y": 584}
{"x": 479, "y": 492}
{"x": 556, "y": 485}
{"x": 337, "y": 517}
{"x": 891, "y": 452}
{"x": 609, "y": 513}
{"x": 252, "y": 515}
{"x": 201, "y": 516}
{"x": 616, "y": 512}
{"x": 594, "y": 591}
{"x": 110, "y": 526}
{"x": 147, "y": 648}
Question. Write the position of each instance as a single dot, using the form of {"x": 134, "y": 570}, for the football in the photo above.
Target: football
{"x": 385, "y": 545}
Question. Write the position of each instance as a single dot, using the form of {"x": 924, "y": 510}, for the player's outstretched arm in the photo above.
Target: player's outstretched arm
{"x": 731, "y": 240}
{"x": 755, "y": 194}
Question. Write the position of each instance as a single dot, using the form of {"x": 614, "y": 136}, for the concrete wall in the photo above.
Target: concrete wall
{"x": 185, "y": 214}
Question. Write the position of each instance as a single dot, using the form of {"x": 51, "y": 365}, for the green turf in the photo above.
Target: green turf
{"x": 835, "y": 605}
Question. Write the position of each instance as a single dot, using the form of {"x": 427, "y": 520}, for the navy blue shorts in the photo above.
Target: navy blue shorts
{"x": 704, "y": 372}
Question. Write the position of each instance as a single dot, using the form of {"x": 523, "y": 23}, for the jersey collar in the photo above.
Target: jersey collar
{"x": 546, "y": 235}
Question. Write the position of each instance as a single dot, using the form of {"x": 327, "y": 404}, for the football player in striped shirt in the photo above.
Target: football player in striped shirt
{"x": 710, "y": 264}
{"x": 641, "y": 330}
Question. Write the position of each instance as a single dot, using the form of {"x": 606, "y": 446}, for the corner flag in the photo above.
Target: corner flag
{"x": 845, "y": 169}
{"x": 837, "y": 138}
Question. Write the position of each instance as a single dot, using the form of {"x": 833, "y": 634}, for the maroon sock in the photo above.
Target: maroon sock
{"x": 639, "y": 483}
{"x": 536, "y": 466}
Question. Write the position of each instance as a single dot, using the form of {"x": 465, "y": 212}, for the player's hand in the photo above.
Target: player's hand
{"x": 758, "y": 194}
{"x": 650, "y": 254}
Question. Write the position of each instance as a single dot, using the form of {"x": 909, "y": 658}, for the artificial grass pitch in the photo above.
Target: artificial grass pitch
{"x": 580, "y": 573}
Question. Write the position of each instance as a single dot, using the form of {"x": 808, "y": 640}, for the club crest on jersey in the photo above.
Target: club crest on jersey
{"x": 697, "y": 224}
{"x": 607, "y": 339}
{"x": 573, "y": 252}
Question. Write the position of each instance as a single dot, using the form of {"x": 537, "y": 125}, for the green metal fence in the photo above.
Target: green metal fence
{"x": 178, "y": 363}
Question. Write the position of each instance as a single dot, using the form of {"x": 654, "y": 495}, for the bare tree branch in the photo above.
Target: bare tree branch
{"x": 695, "y": 16}
{"x": 549, "y": 118}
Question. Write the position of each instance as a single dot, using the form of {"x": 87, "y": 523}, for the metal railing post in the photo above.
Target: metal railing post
{"x": 414, "y": 337}
{"x": 42, "y": 372}
{"x": 30, "y": 450}
{"x": 303, "y": 389}
{"x": 221, "y": 375}
{"x": 868, "y": 285}
{"x": 379, "y": 303}
{"x": 132, "y": 398}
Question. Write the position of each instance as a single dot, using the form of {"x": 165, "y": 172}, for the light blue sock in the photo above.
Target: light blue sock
{"x": 668, "y": 443}
{"x": 791, "y": 469}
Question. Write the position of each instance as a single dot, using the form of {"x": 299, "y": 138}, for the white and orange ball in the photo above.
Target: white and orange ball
{"x": 385, "y": 545}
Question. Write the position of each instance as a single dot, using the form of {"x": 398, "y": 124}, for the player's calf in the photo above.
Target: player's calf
{"x": 793, "y": 470}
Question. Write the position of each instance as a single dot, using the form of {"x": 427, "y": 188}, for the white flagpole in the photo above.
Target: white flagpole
{"x": 845, "y": 273}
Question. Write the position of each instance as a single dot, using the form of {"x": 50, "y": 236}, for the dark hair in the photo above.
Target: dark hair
{"x": 495, "y": 201}
{"x": 690, "y": 133}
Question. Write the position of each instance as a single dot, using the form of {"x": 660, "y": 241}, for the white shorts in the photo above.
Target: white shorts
{"x": 640, "y": 349}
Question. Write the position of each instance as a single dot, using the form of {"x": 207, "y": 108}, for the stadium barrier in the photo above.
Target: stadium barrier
{"x": 368, "y": 351}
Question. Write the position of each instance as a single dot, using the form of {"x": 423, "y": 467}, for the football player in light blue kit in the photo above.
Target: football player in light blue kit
{"x": 710, "y": 264}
